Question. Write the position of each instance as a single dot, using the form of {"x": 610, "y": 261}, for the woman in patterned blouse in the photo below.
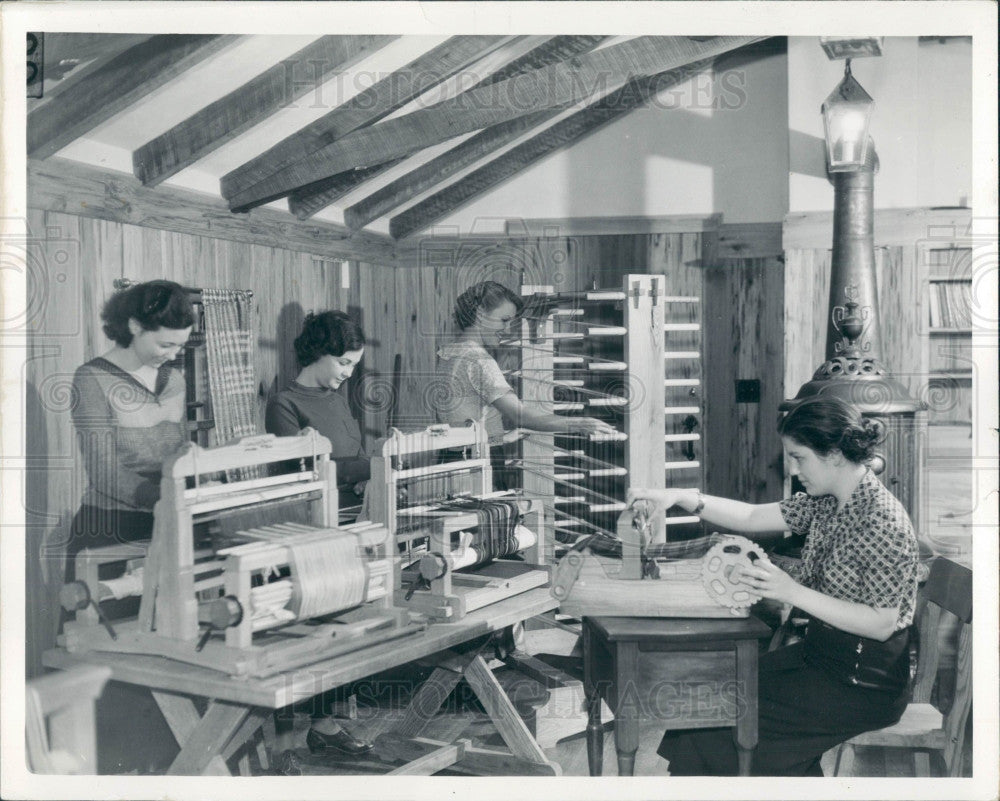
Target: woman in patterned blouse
{"x": 857, "y": 584}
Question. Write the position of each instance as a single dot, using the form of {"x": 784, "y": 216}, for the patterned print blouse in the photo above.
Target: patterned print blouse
{"x": 865, "y": 553}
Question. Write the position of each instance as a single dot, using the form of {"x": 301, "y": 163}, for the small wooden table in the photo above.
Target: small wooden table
{"x": 240, "y": 708}
{"x": 687, "y": 673}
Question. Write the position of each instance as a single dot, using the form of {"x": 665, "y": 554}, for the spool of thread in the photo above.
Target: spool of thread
{"x": 218, "y": 615}
{"x": 76, "y": 596}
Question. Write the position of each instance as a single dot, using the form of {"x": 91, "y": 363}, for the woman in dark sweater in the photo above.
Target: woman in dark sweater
{"x": 129, "y": 412}
{"x": 328, "y": 351}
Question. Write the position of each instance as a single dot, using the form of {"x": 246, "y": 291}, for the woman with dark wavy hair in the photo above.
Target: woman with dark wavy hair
{"x": 129, "y": 414}
{"x": 857, "y": 584}
{"x": 328, "y": 350}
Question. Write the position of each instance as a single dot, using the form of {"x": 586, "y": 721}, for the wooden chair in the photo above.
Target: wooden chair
{"x": 923, "y": 728}
{"x": 59, "y": 720}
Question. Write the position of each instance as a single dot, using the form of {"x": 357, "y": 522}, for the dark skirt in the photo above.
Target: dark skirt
{"x": 804, "y": 709}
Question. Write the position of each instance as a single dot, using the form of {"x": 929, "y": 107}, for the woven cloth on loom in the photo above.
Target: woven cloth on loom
{"x": 230, "y": 343}
{"x": 495, "y": 534}
{"x": 328, "y": 573}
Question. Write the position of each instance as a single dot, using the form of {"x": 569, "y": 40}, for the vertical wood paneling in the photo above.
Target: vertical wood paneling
{"x": 744, "y": 341}
{"x": 378, "y": 308}
{"x": 56, "y": 313}
{"x": 413, "y": 341}
{"x": 807, "y": 293}
{"x": 900, "y": 296}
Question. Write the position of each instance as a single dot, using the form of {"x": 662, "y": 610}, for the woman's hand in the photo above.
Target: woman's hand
{"x": 589, "y": 425}
{"x": 766, "y": 579}
{"x": 665, "y": 498}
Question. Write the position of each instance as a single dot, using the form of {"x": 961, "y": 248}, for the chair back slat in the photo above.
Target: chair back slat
{"x": 957, "y": 717}
{"x": 928, "y": 654}
{"x": 950, "y": 587}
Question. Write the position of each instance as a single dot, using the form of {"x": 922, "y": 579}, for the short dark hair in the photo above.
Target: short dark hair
{"x": 153, "y": 304}
{"x": 824, "y": 424}
{"x": 486, "y": 295}
{"x": 330, "y": 333}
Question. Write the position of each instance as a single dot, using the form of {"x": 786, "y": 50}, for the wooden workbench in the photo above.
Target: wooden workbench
{"x": 239, "y": 708}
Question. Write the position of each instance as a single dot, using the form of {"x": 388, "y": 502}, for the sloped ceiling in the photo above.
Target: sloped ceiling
{"x": 382, "y": 134}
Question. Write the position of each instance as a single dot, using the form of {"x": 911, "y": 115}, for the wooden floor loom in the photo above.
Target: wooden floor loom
{"x": 251, "y": 576}
{"x": 433, "y": 491}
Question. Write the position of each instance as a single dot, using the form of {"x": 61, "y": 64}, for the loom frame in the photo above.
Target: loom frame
{"x": 454, "y": 594}
{"x": 168, "y": 623}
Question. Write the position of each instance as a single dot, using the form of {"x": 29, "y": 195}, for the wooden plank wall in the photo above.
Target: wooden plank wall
{"x": 743, "y": 340}
{"x": 74, "y": 261}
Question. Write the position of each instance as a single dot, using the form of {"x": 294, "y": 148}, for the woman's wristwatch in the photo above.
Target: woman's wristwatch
{"x": 701, "y": 505}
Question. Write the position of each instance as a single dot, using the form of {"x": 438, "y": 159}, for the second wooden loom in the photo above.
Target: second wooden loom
{"x": 441, "y": 573}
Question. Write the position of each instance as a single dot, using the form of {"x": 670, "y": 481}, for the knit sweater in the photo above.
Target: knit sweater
{"x": 126, "y": 432}
{"x": 327, "y": 411}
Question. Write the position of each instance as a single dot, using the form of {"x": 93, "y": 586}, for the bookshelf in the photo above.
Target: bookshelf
{"x": 947, "y": 266}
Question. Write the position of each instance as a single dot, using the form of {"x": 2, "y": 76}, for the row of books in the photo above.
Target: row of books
{"x": 951, "y": 305}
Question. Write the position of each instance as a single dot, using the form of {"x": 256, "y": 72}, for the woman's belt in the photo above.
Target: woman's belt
{"x": 860, "y": 661}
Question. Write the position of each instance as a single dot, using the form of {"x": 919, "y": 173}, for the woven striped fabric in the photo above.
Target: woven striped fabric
{"x": 230, "y": 343}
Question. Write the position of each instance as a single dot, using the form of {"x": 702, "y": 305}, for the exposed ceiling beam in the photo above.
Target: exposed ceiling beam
{"x": 559, "y": 85}
{"x": 69, "y": 57}
{"x": 368, "y": 106}
{"x": 438, "y": 169}
{"x": 241, "y": 109}
{"x": 562, "y": 134}
{"x": 304, "y": 203}
{"x": 72, "y": 188}
{"x": 115, "y": 86}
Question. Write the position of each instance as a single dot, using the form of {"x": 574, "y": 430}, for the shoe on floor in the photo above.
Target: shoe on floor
{"x": 341, "y": 743}
{"x": 287, "y": 764}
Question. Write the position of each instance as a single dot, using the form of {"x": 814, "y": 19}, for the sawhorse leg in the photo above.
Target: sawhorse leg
{"x": 208, "y": 741}
{"x": 498, "y": 706}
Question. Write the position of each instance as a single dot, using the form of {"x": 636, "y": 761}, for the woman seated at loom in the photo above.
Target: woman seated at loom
{"x": 474, "y": 386}
{"x": 328, "y": 350}
{"x": 857, "y": 583}
{"x": 129, "y": 416}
